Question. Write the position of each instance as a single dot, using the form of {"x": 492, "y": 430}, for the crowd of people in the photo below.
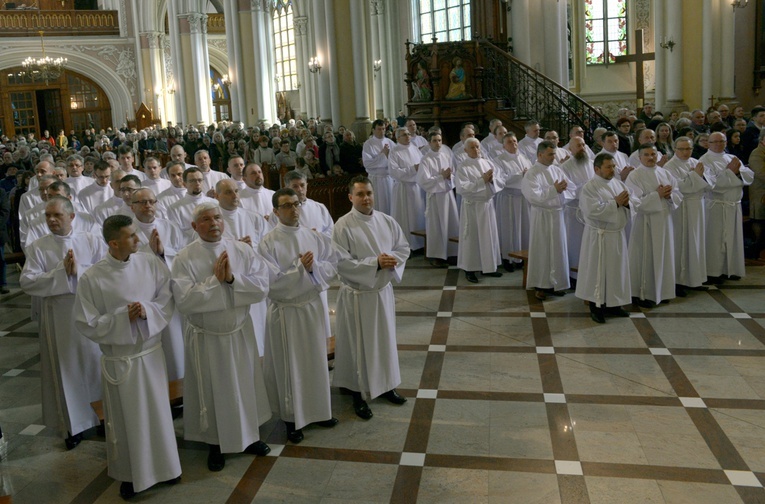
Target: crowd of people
{"x": 142, "y": 274}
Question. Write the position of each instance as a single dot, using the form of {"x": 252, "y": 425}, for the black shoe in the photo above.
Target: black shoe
{"x": 328, "y": 423}
{"x": 126, "y": 490}
{"x": 735, "y": 278}
{"x": 540, "y": 294}
{"x": 700, "y": 288}
{"x": 493, "y": 274}
{"x": 617, "y": 311}
{"x": 559, "y": 293}
{"x": 680, "y": 291}
{"x": 258, "y": 448}
{"x": 361, "y": 407}
{"x": 72, "y": 441}
{"x": 215, "y": 460}
{"x": 173, "y": 481}
{"x": 664, "y": 301}
{"x": 596, "y": 314}
{"x": 470, "y": 276}
{"x": 4, "y": 290}
{"x": 101, "y": 430}
{"x": 294, "y": 435}
{"x": 438, "y": 263}
{"x": 646, "y": 303}
{"x": 714, "y": 281}
{"x": 394, "y": 397}
{"x": 509, "y": 266}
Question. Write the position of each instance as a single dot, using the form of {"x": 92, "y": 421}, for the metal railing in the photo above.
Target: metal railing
{"x": 28, "y": 23}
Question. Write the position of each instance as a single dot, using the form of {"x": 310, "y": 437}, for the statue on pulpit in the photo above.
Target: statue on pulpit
{"x": 457, "y": 81}
{"x": 421, "y": 85}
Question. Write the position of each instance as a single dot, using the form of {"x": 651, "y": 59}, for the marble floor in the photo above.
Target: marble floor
{"x": 511, "y": 400}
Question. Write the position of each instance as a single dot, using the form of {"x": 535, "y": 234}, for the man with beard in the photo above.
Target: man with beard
{"x": 512, "y": 207}
{"x": 578, "y": 169}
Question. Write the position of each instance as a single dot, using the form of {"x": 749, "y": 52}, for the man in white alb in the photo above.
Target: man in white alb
{"x": 374, "y": 156}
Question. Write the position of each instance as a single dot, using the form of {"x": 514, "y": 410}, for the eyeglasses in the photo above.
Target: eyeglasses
{"x": 290, "y": 206}
{"x": 127, "y": 190}
{"x": 145, "y": 202}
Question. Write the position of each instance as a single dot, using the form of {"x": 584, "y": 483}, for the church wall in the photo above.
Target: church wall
{"x": 745, "y": 32}
{"x": 248, "y": 61}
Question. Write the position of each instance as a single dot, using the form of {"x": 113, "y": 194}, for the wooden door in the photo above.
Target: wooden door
{"x": 24, "y": 106}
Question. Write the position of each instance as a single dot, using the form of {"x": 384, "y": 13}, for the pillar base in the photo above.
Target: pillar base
{"x": 362, "y": 128}
{"x": 675, "y": 106}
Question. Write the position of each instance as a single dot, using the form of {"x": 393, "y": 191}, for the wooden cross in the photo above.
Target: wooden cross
{"x": 639, "y": 57}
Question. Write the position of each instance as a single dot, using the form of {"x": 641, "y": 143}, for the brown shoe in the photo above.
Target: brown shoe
{"x": 540, "y": 295}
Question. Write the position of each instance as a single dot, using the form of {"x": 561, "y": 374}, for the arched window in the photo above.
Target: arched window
{"x": 284, "y": 46}
{"x": 605, "y": 29}
{"x": 221, "y": 96}
{"x": 447, "y": 20}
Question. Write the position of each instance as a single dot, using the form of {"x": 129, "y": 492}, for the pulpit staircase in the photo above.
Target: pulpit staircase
{"x": 498, "y": 85}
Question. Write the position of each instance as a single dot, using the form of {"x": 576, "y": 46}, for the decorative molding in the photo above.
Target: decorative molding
{"x": 120, "y": 59}
{"x": 378, "y": 7}
{"x": 301, "y": 25}
{"x": 123, "y": 18}
{"x": 154, "y": 39}
{"x": 169, "y": 77}
{"x": 258, "y": 6}
{"x": 218, "y": 43}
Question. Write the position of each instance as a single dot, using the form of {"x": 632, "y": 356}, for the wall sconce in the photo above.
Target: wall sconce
{"x": 226, "y": 80}
{"x": 313, "y": 65}
{"x": 377, "y": 66}
{"x": 667, "y": 44}
{"x": 739, "y": 4}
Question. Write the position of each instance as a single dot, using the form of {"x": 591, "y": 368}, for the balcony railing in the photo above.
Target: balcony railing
{"x": 216, "y": 24}
{"x": 28, "y": 23}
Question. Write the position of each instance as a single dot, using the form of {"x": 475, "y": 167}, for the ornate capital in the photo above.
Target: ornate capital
{"x": 257, "y": 5}
{"x": 301, "y": 25}
{"x": 197, "y": 22}
{"x": 378, "y": 7}
{"x": 154, "y": 39}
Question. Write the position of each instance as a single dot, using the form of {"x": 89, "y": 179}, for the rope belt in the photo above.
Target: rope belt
{"x": 727, "y": 230}
{"x": 601, "y": 238}
{"x": 117, "y": 381}
{"x": 193, "y": 342}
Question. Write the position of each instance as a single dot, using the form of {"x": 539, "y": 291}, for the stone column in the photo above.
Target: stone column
{"x": 176, "y": 48}
{"x": 659, "y": 34}
{"x": 194, "y": 26}
{"x": 673, "y": 22}
{"x": 333, "y": 64}
{"x": 706, "y": 53}
{"x": 555, "y": 43}
{"x": 360, "y": 68}
{"x": 521, "y": 24}
{"x": 322, "y": 53}
{"x": 235, "y": 64}
{"x": 301, "y": 51}
{"x": 154, "y": 48}
{"x": 728, "y": 49}
{"x": 376, "y": 15}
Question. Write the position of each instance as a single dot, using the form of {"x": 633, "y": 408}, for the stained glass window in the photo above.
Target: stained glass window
{"x": 447, "y": 20}
{"x": 284, "y": 46}
{"x": 605, "y": 26}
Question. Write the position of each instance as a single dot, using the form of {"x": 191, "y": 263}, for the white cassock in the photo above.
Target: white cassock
{"x": 138, "y": 173}
{"x": 296, "y": 344}
{"x": 604, "y": 274}
{"x": 212, "y": 177}
{"x": 376, "y": 164}
{"x": 181, "y": 213}
{"x": 407, "y": 202}
{"x": 621, "y": 161}
{"x": 140, "y": 439}
{"x": 634, "y": 159}
{"x": 257, "y": 200}
{"x": 69, "y": 364}
{"x": 167, "y": 197}
{"x": 479, "y": 242}
{"x": 652, "y": 251}
{"x": 238, "y": 224}
{"x": 366, "y": 356}
{"x": 548, "y": 251}
{"x": 689, "y": 223}
{"x": 173, "y": 241}
{"x": 31, "y": 215}
{"x": 113, "y": 206}
{"x": 528, "y": 147}
{"x": 77, "y": 184}
{"x": 560, "y": 155}
{"x": 441, "y": 217}
{"x": 491, "y": 148}
{"x": 94, "y": 195}
{"x": 82, "y": 223}
{"x": 419, "y": 141}
{"x": 157, "y": 185}
{"x": 512, "y": 208}
{"x": 725, "y": 235}
{"x": 29, "y": 200}
{"x": 579, "y": 173}
{"x": 225, "y": 398}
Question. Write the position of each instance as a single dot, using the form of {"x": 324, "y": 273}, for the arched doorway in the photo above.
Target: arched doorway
{"x": 221, "y": 96}
{"x": 71, "y": 102}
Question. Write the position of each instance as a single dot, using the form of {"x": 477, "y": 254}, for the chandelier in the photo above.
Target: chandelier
{"x": 45, "y": 68}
